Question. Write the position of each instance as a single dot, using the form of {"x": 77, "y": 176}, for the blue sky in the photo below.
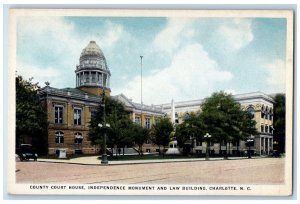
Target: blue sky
{"x": 184, "y": 58}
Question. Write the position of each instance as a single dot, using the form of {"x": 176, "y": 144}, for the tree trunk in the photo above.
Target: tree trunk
{"x": 141, "y": 149}
{"x": 225, "y": 155}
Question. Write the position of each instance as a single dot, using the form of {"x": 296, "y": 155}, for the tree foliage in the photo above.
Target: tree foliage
{"x": 161, "y": 131}
{"x": 139, "y": 135}
{"x": 221, "y": 117}
{"x": 190, "y": 130}
{"x": 279, "y": 122}
{"x": 31, "y": 115}
{"x": 118, "y": 119}
{"x": 225, "y": 120}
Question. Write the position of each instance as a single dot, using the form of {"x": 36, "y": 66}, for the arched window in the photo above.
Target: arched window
{"x": 267, "y": 113}
{"x": 78, "y": 138}
{"x": 186, "y": 116}
{"x": 251, "y": 111}
{"x": 271, "y": 114}
{"x": 59, "y": 137}
{"x": 263, "y": 112}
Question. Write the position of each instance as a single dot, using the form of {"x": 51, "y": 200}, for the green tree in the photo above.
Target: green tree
{"x": 191, "y": 130}
{"x": 279, "y": 122}
{"x": 31, "y": 115}
{"x": 118, "y": 119}
{"x": 139, "y": 135}
{"x": 161, "y": 132}
{"x": 224, "y": 119}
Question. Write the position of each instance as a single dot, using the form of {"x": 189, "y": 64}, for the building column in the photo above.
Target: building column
{"x": 133, "y": 116}
{"x": 259, "y": 145}
{"x": 90, "y": 77}
{"x": 263, "y": 145}
{"x": 268, "y": 146}
{"x": 152, "y": 121}
{"x": 96, "y": 77}
{"x": 102, "y": 80}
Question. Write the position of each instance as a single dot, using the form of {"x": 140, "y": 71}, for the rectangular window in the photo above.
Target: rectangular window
{"x": 59, "y": 137}
{"x": 147, "y": 123}
{"x": 262, "y": 128}
{"x": 93, "y": 114}
{"x": 77, "y": 116}
{"x": 58, "y": 114}
{"x": 93, "y": 77}
{"x": 137, "y": 120}
{"x": 266, "y": 129}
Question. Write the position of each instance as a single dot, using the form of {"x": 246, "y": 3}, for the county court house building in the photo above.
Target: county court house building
{"x": 70, "y": 110}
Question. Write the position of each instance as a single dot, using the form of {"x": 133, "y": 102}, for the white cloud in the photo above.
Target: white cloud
{"x": 172, "y": 35}
{"x": 235, "y": 34}
{"x": 276, "y": 77}
{"x": 113, "y": 34}
{"x": 230, "y": 91}
{"x": 192, "y": 75}
{"x": 40, "y": 75}
{"x": 50, "y": 47}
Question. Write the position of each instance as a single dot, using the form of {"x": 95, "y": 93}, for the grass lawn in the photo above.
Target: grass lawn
{"x": 146, "y": 157}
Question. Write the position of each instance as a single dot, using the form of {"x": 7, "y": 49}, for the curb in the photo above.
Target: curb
{"x": 152, "y": 162}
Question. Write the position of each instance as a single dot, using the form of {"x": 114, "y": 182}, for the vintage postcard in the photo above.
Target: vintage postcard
{"x": 150, "y": 102}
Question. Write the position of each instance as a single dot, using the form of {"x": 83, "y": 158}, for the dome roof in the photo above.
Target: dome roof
{"x": 92, "y": 49}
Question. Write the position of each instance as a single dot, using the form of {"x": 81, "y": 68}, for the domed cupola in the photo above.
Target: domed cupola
{"x": 92, "y": 73}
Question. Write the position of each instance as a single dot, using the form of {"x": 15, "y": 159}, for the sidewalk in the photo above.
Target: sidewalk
{"x": 93, "y": 160}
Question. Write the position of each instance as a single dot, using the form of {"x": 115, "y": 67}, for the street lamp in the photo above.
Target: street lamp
{"x": 207, "y": 137}
{"x": 104, "y": 160}
{"x": 275, "y": 143}
{"x": 249, "y": 145}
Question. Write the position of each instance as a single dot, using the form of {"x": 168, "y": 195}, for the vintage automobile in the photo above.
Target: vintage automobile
{"x": 26, "y": 152}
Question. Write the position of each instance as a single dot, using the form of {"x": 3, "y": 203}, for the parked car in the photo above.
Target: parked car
{"x": 26, "y": 152}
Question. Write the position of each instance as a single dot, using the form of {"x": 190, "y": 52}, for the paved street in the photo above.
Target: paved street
{"x": 245, "y": 171}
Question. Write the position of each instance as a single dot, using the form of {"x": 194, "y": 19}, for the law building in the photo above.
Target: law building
{"x": 70, "y": 110}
